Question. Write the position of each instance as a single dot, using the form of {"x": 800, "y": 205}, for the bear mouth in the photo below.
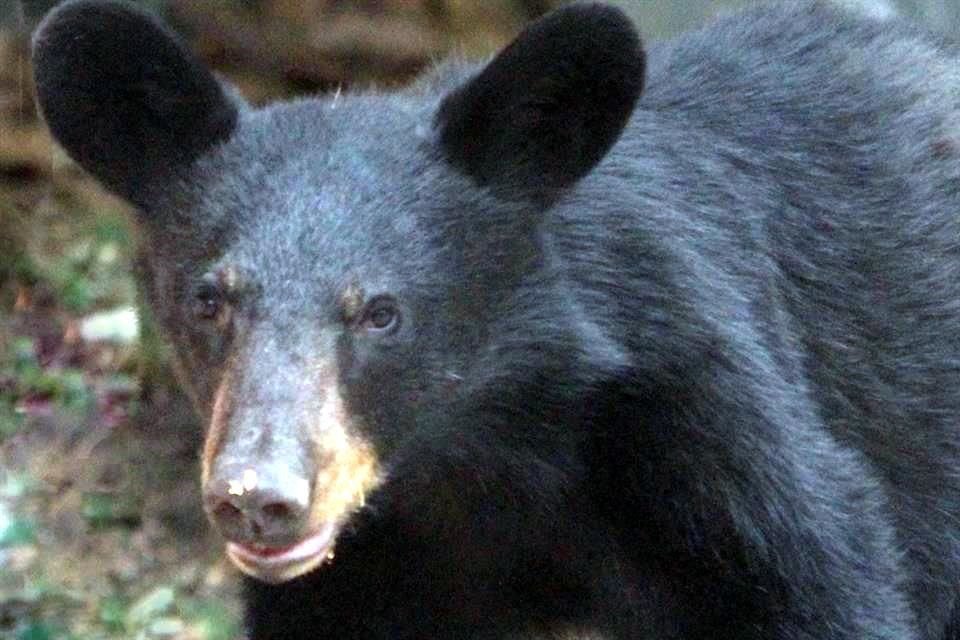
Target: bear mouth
{"x": 280, "y": 564}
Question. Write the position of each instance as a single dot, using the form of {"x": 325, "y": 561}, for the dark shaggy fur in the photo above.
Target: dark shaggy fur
{"x": 677, "y": 366}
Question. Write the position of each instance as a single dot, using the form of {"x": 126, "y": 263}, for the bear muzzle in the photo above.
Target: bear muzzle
{"x": 279, "y": 491}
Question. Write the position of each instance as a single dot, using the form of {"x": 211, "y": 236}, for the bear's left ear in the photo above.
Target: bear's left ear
{"x": 125, "y": 98}
{"x": 548, "y": 108}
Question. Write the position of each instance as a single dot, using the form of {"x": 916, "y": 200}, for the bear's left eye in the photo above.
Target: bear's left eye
{"x": 381, "y": 316}
{"x": 207, "y": 302}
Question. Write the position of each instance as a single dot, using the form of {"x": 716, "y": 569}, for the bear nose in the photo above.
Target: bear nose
{"x": 257, "y": 505}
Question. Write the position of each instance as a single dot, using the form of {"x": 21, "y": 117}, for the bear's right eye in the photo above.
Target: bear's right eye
{"x": 381, "y": 316}
{"x": 208, "y": 303}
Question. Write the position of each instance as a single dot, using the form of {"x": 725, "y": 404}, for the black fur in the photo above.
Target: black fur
{"x": 692, "y": 379}
{"x": 549, "y": 107}
{"x": 125, "y": 98}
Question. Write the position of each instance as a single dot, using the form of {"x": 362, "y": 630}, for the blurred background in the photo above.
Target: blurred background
{"x": 101, "y": 533}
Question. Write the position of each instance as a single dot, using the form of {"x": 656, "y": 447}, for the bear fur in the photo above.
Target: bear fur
{"x": 637, "y": 343}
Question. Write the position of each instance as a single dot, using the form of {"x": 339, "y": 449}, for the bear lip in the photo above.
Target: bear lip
{"x": 279, "y": 564}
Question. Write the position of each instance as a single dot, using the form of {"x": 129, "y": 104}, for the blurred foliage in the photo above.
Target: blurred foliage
{"x": 87, "y": 453}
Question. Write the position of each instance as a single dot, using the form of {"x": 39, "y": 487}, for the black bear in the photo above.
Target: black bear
{"x": 588, "y": 341}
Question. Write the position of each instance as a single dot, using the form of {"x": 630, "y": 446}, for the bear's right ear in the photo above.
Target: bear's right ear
{"x": 547, "y": 109}
{"x": 126, "y": 99}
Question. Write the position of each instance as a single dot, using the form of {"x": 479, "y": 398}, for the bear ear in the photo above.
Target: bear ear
{"x": 126, "y": 99}
{"x": 548, "y": 107}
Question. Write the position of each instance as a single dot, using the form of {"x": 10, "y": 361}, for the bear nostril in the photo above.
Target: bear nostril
{"x": 277, "y": 511}
{"x": 226, "y": 512}
{"x": 230, "y": 520}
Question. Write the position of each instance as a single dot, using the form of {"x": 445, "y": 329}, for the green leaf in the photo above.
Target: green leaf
{"x": 104, "y": 509}
{"x": 152, "y": 605}
{"x": 77, "y": 293}
{"x": 16, "y": 485}
{"x": 35, "y": 631}
{"x": 16, "y": 532}
{"x": 24, "y": 353}
{"x": 74, "y": 393}
{"x": 214, "y": 622}
{"x": 10, "y": 420}
{"x": 166, "y": 628}
{"x": 113, "y": 613}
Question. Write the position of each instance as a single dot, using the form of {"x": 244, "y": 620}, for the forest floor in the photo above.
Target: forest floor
{"x": 101, "y": 534}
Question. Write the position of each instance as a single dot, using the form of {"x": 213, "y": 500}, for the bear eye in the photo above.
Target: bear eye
{"x": 381, "y": 316}
{"x": 207, "y": 302}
